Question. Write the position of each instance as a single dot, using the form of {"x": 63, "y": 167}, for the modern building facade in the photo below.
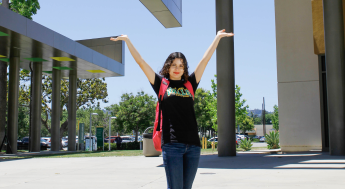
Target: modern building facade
{"x": 310, "y": 69}
{"x": 24, "y": 42}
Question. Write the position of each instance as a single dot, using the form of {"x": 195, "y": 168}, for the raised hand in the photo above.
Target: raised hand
{"x": 222, "y": 33}
{"x": 120, "y": 37}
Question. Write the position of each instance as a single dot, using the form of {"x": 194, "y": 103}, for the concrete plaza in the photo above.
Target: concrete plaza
{"x": 246, "y": 170}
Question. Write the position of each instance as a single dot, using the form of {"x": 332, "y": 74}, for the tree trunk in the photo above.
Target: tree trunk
{"x": 3, "y": 91}
{"x": 136, "y": 134}
{"x": 5, "y": 3}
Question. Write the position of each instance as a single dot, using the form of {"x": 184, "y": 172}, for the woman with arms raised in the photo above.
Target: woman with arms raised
{"x": 180, "y": 140}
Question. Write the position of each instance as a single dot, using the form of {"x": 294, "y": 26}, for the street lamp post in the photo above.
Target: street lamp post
{"x": 90, "y": 129}
{"x": 110, "y": 129}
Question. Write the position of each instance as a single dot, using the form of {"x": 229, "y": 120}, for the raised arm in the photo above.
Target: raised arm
{"x": 150, "y": 74}
{"x": 200, "y": 68}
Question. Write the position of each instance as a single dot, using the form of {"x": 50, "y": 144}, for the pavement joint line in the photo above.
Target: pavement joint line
{"x": 152, "y": 181}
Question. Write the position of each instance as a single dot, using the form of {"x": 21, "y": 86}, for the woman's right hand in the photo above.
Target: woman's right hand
{"x": 120, "y": 37}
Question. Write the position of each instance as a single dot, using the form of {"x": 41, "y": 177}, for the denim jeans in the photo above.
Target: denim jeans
{"x": 181, "y": 163}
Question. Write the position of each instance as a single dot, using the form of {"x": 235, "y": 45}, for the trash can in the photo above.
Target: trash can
{"x": 148, "y": 148}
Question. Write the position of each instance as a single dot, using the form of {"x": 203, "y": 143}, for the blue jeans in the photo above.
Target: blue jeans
{"x": 181, "y": 163}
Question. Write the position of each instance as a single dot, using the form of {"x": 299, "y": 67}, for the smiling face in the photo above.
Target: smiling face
{"x": 176, "y": 69}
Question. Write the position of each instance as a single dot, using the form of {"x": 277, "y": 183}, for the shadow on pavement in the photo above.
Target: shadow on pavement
{"x": 299, "y": 160}
{"x": 6, "y": 159}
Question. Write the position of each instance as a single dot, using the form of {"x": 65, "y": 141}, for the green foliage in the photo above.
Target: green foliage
{"x": 102, "y": 119}
{"x": 246, "y": 124}
{"x": 272, "y": 140}
{"x": 202, "y": 109}
{"x": 23, "y": 121}
{"x": 255, "y": 140}
{"x": 209, "y": 144}
{"x": 212, "y": 105}
{"x": 240, "y": 108}
{"x": 257, "y": 121}
{"x": 124, "y": 146}
{"x": 275, "y": 118}
{"x": 135, "y": 112}
{"x": 268, "y": 118}
{"x": 246, "y": 145}
{"x": 88, "y": 91}
{"x": 25, "y": 8}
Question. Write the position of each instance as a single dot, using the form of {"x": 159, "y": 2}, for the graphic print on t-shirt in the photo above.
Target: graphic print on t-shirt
{"x": 181, "y": 92}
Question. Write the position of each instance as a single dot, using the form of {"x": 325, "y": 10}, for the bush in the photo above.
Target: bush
{"x": 246, "y": 144}
{"x": 255, "y": 140}
{"x": 106, "y": 146}
{"x": 272, "y": 140}
{"x": 124, "y": 146}
{"x": 209, "y": 144}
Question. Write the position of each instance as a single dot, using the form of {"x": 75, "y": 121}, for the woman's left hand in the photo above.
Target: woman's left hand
{"x": 222, "y": 33}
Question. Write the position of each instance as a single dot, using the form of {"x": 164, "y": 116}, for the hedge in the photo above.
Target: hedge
{"x": 124, "y": 146}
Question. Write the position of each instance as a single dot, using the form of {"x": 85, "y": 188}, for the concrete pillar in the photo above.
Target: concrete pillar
{"x": 334, "y": 46}
{"x": 226, "y": 80}
{"x": 3, "y": 98}
{"x": 36, "y": 107}
{"x": 13, "y": 94}
{"x": 56, "y": 108}
{"x": 72, "y": 109}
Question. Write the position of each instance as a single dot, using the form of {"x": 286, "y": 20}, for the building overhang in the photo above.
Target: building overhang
{"x": 167, "y": 12}
{"x": 318, "y": 26}
{"x": 93, "y": 58}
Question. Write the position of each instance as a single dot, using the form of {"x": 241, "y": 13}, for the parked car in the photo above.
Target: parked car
{"x": 45, "y": 144}
{"x": 262, "y": 139}
{"x": 112, "y": 139}
{"x": 241, "y": 136}
{"x": 126, "y": 139}
{"x": 24, "y": 144}
{"x": 215, "y": 139}
{"x": 48, "y": 139}
{"x": 140, "y": 138}
{"x": 258, "y": 137}
{"x": 64, "y": 142}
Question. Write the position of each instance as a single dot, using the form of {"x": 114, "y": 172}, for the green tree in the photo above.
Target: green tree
{"x": 257, "y": 121}
{"x": 25, "y": 8}
{"x": 135, "y": 112}
{"x": 88, "y": 91}
{"x": 240, "y": 108}
{"x": 275, "y": 118}
{"x": 101, "y": 119}
{"x": 201, "y": 107}
{"x": 246, "y": 124}
{"x": 212, "y": 105}
{"x": 268, "y": 118}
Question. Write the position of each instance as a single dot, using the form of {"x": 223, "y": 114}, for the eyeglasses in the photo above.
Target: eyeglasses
{"x": 181, "y": 67}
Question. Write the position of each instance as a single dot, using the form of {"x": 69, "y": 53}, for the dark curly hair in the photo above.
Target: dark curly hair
{"x": 165, "y": 70}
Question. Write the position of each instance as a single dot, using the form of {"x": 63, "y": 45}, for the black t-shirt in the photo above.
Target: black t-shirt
{"x": 179, "y": 122}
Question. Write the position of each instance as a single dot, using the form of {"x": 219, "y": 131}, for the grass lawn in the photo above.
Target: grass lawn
{"x": 113, "y": 153}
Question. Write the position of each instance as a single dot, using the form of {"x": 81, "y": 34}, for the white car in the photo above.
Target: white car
{"x": 241, "y": 136}
{"x": 215, "y": 139}
{"x": 262, "y": 139}
{"x": 126, "y": 139}
{"x": 64, "y": 142}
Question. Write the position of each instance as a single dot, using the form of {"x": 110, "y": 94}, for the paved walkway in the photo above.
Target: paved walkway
{"x": 246, "y": 170}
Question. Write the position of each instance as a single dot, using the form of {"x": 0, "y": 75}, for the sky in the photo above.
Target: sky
{"x": 254, "y": 29}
